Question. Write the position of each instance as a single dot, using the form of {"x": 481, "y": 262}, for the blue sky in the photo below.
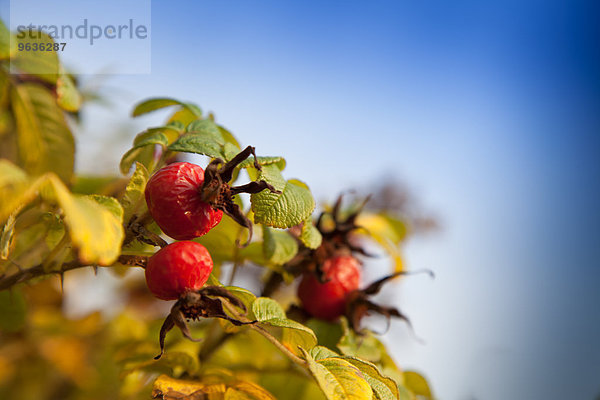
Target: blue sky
{"x": 490, "y": 111}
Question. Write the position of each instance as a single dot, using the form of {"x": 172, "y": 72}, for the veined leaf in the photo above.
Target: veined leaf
{"x": 338, "y": 379}
{"x": 207, "y": 128}
{"x": 158, "y": 103}
{"x": 279, "y": 246}
{"x": 383, "y": 387}
{"x": 205, "y": 137}
{"x": 198, "y": 144}
{"x": 281, "y": 210}
{"x": 321, "y": 352}
{"x": 45, "y": 142}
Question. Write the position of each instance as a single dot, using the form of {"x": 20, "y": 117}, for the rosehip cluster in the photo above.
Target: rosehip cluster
{"x": 331, "y": 275}
{"x": 187, "y": 202}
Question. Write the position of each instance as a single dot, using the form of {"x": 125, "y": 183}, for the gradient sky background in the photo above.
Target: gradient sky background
{"x": 490, "y": 111}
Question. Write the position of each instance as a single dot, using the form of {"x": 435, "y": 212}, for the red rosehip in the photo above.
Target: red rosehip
{"x": 328, "y": 300}
{"x": 173, "y": 198}
{"x": 178, "y": 268}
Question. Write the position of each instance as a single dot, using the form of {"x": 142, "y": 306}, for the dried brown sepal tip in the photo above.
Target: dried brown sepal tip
{"x": 339, "y": 236}
{"x": 203, "y": 303}
{"x": 217, "y": 192}
{"x": 358, "y": 304}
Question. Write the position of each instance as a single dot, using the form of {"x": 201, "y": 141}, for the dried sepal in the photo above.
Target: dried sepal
{"x": 204, "y": 303}
{"x": 217, "y": 192}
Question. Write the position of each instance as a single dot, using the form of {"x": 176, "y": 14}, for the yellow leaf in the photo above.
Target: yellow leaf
{"x": 94, "y": 222}
{"x": 417, "y": 384}
{"x": 45, "y": 141}
{"x": 166, "y": 387}
{"x": 386, "y": 231}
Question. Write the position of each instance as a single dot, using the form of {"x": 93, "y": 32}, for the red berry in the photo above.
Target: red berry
{"x": 328, "y": 300}
{"x": 173, "y": 198}
{"x": 178, "y": 268}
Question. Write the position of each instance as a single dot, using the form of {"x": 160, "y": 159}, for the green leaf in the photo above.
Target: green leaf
{"x": 338, "y": 379}
{"x": 281, "y": 210}
{"x": 12, "y": 309}
{"x": 43, "y": 64}
{"x": 310, "y": 235}
{"x": 158, "y": 103}
{"x": 269, "y": 312}
{"x": 197, "y": 143}
{"x": 266, "y": 309}
{"x": 45, "y": 142}
{"x": 417, "y": 384}
{"x": 208, "y": 128}
{"x": 279, "y": 246}
{"x": 384, "y": 388}
{"x": 133, "y": 198}
{"x": 140, "y": 150}
{"x": 204, "y": 137}
{"x": 67, "y": 96}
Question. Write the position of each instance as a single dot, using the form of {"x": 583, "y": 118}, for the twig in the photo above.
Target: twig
{"x": 26, "y": 274}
